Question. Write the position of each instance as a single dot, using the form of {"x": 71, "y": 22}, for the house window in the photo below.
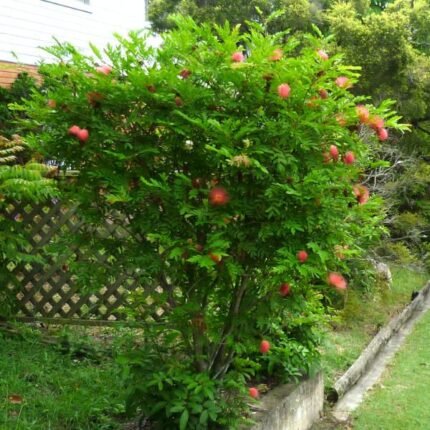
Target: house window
{"x": 81, "y": 5}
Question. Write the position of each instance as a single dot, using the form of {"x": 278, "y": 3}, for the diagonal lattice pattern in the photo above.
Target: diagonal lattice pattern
{"x": 50, "y": 290}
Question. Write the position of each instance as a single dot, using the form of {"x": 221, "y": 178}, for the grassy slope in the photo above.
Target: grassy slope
{"x": 402, "y": 400}
{"x": 360, "y": 321}
{"x": 59, "y": 392}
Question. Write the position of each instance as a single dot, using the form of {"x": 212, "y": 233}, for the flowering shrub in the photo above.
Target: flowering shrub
{"x": 234, "y": 162}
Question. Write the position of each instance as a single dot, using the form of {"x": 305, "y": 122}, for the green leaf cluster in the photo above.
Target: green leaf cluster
{"x": 21, "y": 181}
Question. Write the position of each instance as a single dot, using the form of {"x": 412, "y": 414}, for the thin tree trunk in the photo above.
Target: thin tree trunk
{"x": 218, "y": 360}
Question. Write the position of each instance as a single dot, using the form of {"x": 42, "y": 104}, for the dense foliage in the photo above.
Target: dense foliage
{"x": 292, "y": 14}
{"x": 19, "y": 183}
{"x": 234, "y": 164}
{"x": 22, "y": 87}
{"x": 22, "y": 180}
{"x": 389, "y": 40}
{"x": 296, "y": 15}
{"x": 398, "y": 41}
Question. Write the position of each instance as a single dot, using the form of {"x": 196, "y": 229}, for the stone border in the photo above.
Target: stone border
{"x": 291, "y": 407}
{"x": 360, "y": 366}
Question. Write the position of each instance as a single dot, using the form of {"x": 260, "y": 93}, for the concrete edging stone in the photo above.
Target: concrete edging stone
{"x": 359, "y": 367}
{"x": 291, "y": 406}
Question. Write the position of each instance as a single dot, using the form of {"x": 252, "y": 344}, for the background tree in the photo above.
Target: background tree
{"x": 161, "y": 11}
{"x": 297, "y": 15}
{"x": 21, "y": 88}
{"x": 398, "y": 42}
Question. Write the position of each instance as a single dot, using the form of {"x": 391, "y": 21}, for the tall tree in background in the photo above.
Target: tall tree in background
{"x": 298, "y": 14}
{"x": 392, "y": 47}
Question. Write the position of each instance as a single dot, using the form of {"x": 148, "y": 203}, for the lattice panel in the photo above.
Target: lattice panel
{"x": 50, "y": 290}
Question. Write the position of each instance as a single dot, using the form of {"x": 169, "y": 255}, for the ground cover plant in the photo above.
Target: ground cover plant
{"x": 234, "y": 162}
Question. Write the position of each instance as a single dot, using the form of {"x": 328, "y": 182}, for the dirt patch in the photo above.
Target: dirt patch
{"x": 330, "y": 423}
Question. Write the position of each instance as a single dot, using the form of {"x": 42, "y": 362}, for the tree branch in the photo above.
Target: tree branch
{"x": 216, "y": 359}
{"x": 422, "y": 129}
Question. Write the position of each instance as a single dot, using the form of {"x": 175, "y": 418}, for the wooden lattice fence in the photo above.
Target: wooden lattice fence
{"x": 49, "y": 290}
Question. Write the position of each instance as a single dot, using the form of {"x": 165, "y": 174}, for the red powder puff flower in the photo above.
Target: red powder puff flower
{"x": 361, "y": 193}
{"x": 237, "y": 57}
{"x": 218, "y": 196}
{"x": 337, "y": 281}
{"x": 343, "y": 82}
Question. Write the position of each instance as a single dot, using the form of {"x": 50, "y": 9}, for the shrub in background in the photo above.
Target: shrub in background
{"x": 21, "y": 88}
{"x": 234, "y": 163}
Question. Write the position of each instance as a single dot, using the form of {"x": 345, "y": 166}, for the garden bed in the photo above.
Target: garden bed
{"x": 54, "y": 385}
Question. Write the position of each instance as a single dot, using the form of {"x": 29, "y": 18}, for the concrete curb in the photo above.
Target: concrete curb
{"x": 291, "y": 407}
{"x": 360, "y": 366}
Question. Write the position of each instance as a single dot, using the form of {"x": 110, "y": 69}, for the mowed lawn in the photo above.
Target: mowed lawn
{"x": 42, "y": 388}
{"x": 402, "y": 399}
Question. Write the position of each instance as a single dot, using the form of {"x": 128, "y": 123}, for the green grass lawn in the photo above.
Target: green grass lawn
{"x": 42, "y": 388}
{"x": 401, "y": 400}
{"x": 361, "y": 320}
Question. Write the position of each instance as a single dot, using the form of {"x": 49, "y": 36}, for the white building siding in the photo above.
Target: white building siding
{"x": 27, "y": 25}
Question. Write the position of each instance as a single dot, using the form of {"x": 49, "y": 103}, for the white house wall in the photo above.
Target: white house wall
{"x": 27, "y": 25}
